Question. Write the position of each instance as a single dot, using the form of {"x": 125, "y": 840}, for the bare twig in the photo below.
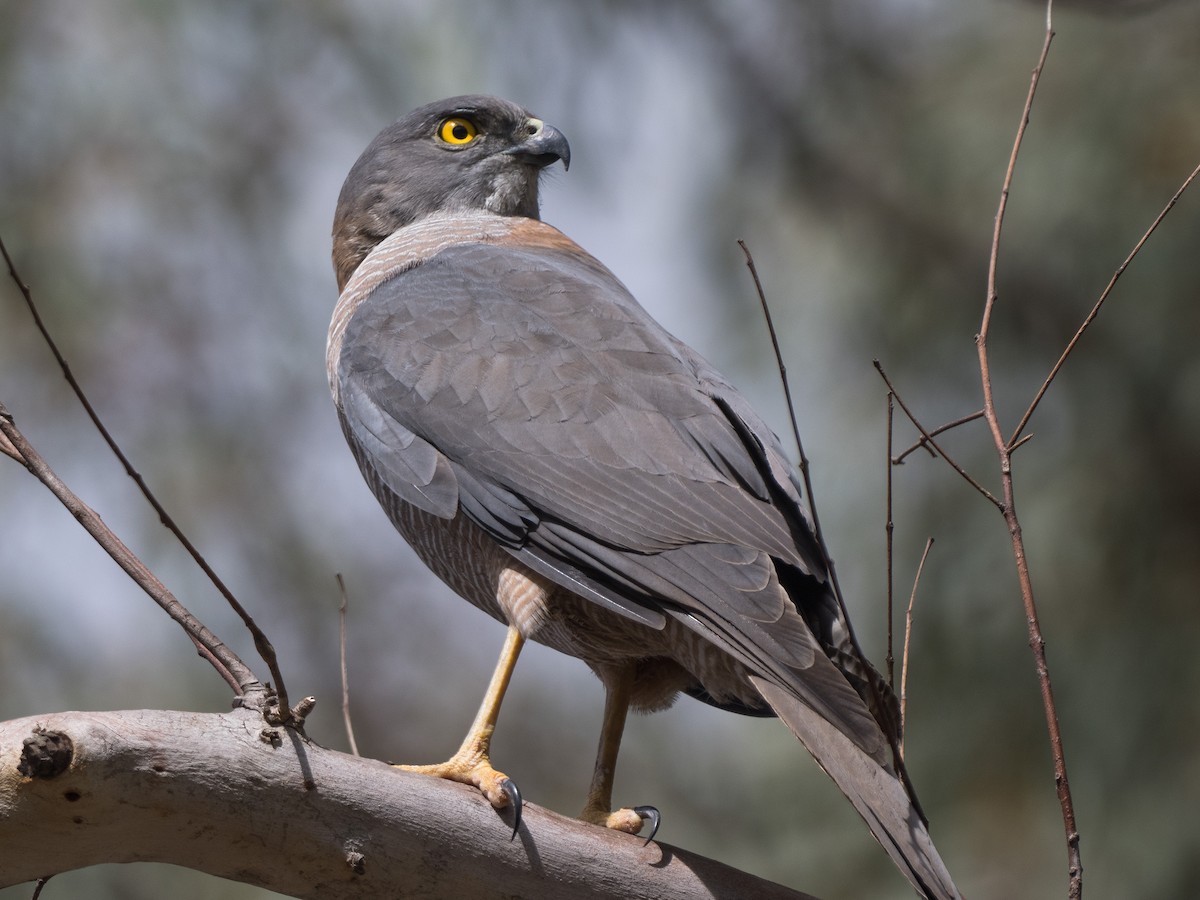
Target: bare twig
{"x": 345, "y": 679}
{"x": 889, "y": 529}
{"x": 787, "y": 387}
{"x": 1024, "y": 440}
{"x": 908, "y": 622}
{"x": 9, "y": 450}
{"x": 993, "y": 260}
{"x": 803, "y": 463}
{"x": 261, "y": 642}
{"x": 791, "y": 408}
{"x": 1008, "y": 509}
{"x": 1016, "y": 439}
{"x": 928, "y": 436}
{"x": 235, "y": 672}
{"x": 923, "y": 443}
{"x": 876, "y": 689}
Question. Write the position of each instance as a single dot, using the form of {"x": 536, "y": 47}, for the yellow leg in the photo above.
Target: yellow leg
{"x": 598, "y": 809}
{"x": 471, "y": 764}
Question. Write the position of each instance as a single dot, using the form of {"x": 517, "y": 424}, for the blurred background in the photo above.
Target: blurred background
{"x": 168, "y": 172}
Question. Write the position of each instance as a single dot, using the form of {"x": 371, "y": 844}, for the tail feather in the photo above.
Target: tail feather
{"x": 876, "y": 792}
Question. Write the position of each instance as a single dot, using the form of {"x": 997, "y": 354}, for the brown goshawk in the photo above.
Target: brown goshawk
{"x": 569, "y": 467}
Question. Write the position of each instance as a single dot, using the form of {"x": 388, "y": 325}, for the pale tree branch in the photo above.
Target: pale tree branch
{"x": 228, "y": 795}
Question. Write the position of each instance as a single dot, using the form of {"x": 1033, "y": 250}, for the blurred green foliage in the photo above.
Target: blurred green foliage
{"x": 168, "y": 172}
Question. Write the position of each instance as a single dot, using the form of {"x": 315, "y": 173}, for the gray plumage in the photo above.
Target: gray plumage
{"x": 515, "y": 410}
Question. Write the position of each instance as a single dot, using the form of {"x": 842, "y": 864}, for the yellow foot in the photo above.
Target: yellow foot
{"x": 475, "y": 770}
{"x": 471, "y": 765}
{"x": 627, "y": 820}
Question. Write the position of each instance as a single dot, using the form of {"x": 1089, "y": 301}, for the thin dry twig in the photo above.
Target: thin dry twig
{"x": 1008, "y": 509}
{"x": 928, "y": 436}
{"x": 923, "y": 443}
{"x": 889, "y": 529}
{"x": 1016, "y": 440}
{"x": 345, "y": 678}
{"x": 791, "y": 408}
{"x": 265, "y": 649}
{"x": 908, "y": 623}
{"x": 9, "y": 450}
{"x": 897, "y": 759}
{"x": 235, "y": 672}
{"x": 803, "y": 463}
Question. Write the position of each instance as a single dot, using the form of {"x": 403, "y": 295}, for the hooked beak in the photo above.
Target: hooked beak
{"x": 543, "y": 146}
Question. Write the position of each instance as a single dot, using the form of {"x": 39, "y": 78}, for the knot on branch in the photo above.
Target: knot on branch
{"x": 273, "y": 709}
{"x": 356, "y": 861}
{"x": 46, "y": 754}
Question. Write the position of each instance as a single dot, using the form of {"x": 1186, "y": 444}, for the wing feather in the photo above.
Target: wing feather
{"x": 591, "y": 443}
{"x": 408, "y": 465}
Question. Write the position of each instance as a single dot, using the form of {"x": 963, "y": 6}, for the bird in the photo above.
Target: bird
{"x": 561, "y": 461}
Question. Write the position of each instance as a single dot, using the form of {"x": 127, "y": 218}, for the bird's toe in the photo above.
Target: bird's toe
{"x": 498, "y": 788}
{"x": 628, "y": 820}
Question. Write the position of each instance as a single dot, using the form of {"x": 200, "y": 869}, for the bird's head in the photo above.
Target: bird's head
{"x": 465, "y": 153}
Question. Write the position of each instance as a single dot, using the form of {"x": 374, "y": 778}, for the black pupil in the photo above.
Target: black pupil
{"x": 460, "y": 131}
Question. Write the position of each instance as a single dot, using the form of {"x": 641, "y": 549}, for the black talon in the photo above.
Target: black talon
{"x": 514, "y": 798}
{"x": 651, "y": 813}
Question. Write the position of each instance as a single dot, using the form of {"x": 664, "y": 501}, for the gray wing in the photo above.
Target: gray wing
{"x": 527, "y": 389}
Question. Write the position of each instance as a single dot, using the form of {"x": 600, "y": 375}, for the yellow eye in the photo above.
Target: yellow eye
{"x": 457, "y": 131}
